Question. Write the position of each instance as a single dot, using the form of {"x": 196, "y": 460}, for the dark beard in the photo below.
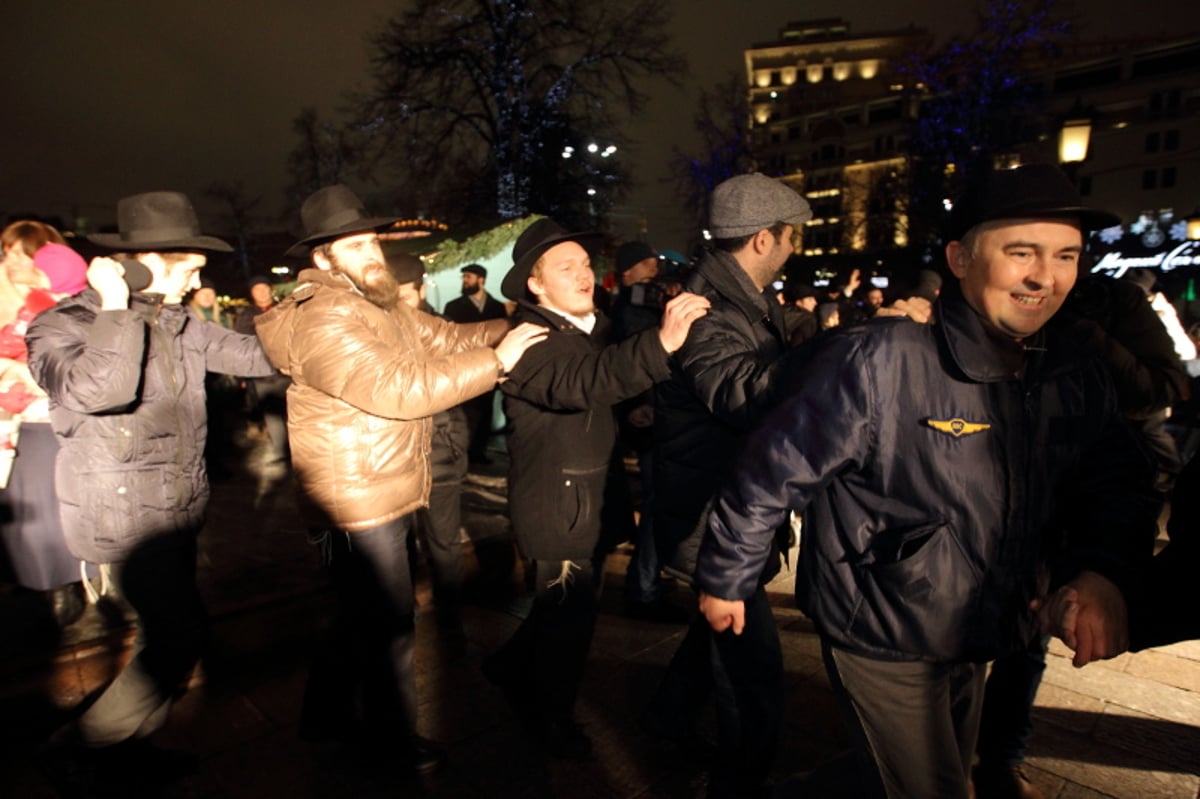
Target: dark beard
{"x": 384, "y": 292}
{"x": 470, "y": 290}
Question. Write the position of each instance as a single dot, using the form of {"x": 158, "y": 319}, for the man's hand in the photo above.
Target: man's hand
{"x": 1089, "y": 615}
{"x": 854, "y": 281}
{"x": 106, "y": 276}
{"x": 516, "y": 341}
{"x": 917, "y": 309}
{"x": 723, "y": 614}
{"x": 678, "y": 317}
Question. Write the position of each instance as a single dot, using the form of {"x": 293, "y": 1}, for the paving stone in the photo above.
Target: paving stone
{"x": 1066, "y": 708}
{"x": 1071, "y": 790}
{"x": 1170, "y": 744}
{"x": 1137, "y": 693}
{"x": 1111, "y": 771}
{"x": 1164, "y": 666}
{"x": 1183, "y": 649}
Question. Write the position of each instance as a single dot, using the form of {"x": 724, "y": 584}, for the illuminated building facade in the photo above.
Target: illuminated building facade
{"x": 830, "y": 116}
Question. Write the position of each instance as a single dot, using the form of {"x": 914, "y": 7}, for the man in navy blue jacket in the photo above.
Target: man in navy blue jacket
{"x": 954, "y": 478}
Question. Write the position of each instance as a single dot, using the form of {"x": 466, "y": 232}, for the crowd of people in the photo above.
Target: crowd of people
{"x": 976, "y": 465}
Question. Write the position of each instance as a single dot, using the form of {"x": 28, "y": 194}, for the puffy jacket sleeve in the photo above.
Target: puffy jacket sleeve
{"x": 817, "y": 431}
{"x": 341, "y": 354}
{"x": 441, "y": 337}
{"x": 88, "y": 362}
{"x": 721, "y": 367}
{"x": 230, "y": 353}
{"x": 556, "y": 375}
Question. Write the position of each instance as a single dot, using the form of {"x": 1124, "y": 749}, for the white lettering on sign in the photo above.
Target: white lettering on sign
{"x": 1115, "y": 264}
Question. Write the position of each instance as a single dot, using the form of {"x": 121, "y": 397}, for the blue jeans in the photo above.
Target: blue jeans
{"x": 641, "y": 576}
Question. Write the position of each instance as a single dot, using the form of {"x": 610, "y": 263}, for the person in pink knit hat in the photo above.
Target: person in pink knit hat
{"x": 65, "y": 268}
{"x": 37, "y": 270}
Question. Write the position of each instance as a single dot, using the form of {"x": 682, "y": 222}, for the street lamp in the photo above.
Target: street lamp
{"x": 1073, "y": 140}
{"x": 1193, "y": 225}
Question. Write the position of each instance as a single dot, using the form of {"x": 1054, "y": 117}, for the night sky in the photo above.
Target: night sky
{"x": 105, "y": 100}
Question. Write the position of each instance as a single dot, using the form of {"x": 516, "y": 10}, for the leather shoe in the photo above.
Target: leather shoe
{"x": 424, "y": 755}
{"x": 1005, "y": 782}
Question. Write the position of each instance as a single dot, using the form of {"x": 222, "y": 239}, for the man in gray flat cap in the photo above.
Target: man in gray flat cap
{"x": 723, "y": 380}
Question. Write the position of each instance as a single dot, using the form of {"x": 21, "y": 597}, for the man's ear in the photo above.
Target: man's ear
{"x": 763, "y": 241}
{"x": 320, "y": 261}
{"x": 535, "y": 286}
{"x": 956, "y": 259}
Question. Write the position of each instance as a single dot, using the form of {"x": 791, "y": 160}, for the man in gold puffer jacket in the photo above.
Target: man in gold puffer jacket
{"x": 367, "y": 373}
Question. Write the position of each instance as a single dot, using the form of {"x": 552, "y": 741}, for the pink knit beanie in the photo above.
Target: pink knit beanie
{"x": 65, "y": 268}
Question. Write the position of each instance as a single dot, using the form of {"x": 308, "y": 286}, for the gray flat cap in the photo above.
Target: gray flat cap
{"x": 746, "y": 204}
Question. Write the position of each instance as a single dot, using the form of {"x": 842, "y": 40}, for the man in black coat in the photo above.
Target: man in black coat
{"x": 560, "y": 407}
{"x": 476, "y": 305}
{"x": 723, "y": 380}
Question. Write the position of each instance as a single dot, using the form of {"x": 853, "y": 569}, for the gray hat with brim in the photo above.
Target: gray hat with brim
{"x": 157, "y": 220}
{"x": 331, "y": 213}
{"x": 746, "y": 204}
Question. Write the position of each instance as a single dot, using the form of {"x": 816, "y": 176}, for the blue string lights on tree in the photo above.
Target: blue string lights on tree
{"x": 972, "y": 98}
{"x": 482, "y": 95}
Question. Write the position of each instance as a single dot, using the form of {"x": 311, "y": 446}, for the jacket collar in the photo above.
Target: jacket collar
{"x": 1053, "y": 350}
{"x": 721, "y": 271}
{"x": 527, "y": 309}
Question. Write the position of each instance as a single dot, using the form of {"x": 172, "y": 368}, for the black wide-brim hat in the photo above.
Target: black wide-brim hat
{"x": 531, "y": 245}
{"x": 157, "y": 220}
{"x": 331, "y": 213}
{"x": 1032, "y": 191}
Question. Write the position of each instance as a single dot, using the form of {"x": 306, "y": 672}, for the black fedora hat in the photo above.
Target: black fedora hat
{"x": 333, "y": 212}
{"x": 531, "y": 244}
{"x": 1032, "y": 191}
{"x": 157, "y": 220}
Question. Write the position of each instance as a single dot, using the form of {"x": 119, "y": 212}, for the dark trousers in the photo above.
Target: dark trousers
{"x": 158, "y": 579}
{"x": 744, "y": 675}
{"x": 479, "y": 422}
{"x": 547, "y": 654}
{"x": 440, "y": 526}
{"x": 363, "y": 673}
{"x": 1007, "y": 722}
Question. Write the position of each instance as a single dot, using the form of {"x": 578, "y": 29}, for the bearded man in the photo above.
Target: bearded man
{"x": 476, "y": 305}
{"x": 367, "y": 373}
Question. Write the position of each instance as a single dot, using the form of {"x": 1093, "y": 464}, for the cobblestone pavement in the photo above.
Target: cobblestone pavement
{"x": 1129, "y": 727}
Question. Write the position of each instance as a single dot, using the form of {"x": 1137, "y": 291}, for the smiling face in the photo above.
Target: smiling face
{"x": 1016, "y": 273}
{"x": 563, "y": 281}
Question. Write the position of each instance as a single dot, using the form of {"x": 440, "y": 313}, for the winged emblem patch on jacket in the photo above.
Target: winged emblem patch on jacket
{"x": 957, "y": 427}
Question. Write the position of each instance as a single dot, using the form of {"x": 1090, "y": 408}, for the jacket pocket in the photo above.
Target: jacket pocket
{"x": 126, "y": 505}
{"x": 918, "y": 588}
{"x": 580, "y": 494}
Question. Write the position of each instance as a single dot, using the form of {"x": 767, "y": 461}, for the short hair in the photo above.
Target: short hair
{"x": 31, "y": 235}
{"x": 325, "y": 248}
{"x": 736, "y": 244}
